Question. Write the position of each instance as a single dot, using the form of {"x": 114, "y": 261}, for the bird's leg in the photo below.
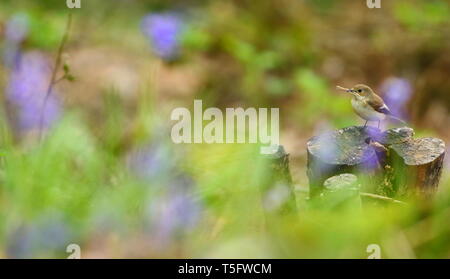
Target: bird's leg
{"x": 379, "y": 121}
{"x": 365, "y": 125}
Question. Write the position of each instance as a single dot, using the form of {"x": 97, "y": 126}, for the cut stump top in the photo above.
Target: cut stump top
{"x": 346, "y": 146}
{"x": 420, "y": 151}
{"x": 341, "y": 182}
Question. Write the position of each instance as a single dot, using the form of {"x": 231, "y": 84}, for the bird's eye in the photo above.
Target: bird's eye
{"x": 359, "y": 90}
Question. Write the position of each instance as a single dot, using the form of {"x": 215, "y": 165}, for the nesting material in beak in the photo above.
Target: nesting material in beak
{"x": 344, "y": 89}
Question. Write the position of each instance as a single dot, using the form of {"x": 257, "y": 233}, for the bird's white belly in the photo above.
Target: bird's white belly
{"x": 367, "y": 112}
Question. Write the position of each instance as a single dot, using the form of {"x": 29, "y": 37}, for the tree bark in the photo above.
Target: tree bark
{"x": 419, "y": 165}
{"x": 278, "y": 192}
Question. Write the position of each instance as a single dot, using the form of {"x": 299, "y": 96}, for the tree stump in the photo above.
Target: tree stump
{"x": 277, "y": 192}
{"x": 341, "y": 192}
{"x": 337, "y": 152}
{"x": 407, "y": 165}
{"x": 419, "y": 165}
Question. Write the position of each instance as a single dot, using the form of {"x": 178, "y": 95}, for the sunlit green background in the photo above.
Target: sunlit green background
{"x": 107, "y": 176}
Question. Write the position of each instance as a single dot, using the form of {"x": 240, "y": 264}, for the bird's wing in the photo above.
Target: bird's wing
{"x": 377, "y": 104}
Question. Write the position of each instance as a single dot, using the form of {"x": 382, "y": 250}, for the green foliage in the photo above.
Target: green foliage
{"x": 424, "y": 15}
{"x": 57, "y": 175}
{"x": 196, "y": 39}
{"x": 315, "y": 92}
{"x": 45, "y": 32}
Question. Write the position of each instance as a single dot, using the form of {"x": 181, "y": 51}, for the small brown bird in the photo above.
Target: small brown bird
{"x": 368, "y": 105}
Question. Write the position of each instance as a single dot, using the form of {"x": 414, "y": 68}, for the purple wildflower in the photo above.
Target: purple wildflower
{"x": 370, "y": 158}
{"x": 17, "y": 28}
{"x": 397, "y": 92}
{"x": 151, "y": 162}
{"x": 163, "y": 31}
{"x": 175, "y": 212}
{"x": 16, "y": 31}
{"x": 27, "y": 89}
{"x": 44, "y": 237}
{"x": 371, "y": 162}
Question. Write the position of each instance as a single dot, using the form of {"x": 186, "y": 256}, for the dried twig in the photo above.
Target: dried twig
{"x": 341, "y": 88}
{"x": 383, "y": 198}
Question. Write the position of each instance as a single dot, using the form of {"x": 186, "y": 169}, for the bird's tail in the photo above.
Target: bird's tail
{"x": 397, "y": 119}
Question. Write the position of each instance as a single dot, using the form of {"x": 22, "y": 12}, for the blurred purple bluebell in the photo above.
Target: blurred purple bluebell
{"x": 163, "y": 31}
{"x": 26, "y": 91}
{"x": 47, "y": 236}
{"x": 172, "y": 208}
{"x": 396, "y": 94}
{"x": 16, "y": 31}
{"x": 151, "y": 162}
{"x": 17, "y": 28}
{"x": 329, "y": 152}
{"x": 175, "y": 212}
{"x": 371, "y": 161}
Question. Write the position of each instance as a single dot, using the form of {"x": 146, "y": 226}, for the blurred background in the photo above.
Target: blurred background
{"x": 90, "y": 160}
